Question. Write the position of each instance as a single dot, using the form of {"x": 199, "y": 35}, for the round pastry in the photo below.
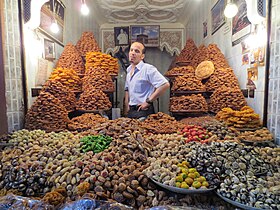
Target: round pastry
{"x": 204, "y": 69}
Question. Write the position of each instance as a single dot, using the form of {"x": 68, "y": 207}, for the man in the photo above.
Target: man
{"x": 144, "y": 84}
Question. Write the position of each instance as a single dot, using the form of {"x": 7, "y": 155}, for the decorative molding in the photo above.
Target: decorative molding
{"x": 170, "y": 39}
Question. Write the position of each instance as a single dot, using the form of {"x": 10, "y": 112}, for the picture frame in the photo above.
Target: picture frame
{"x": 217, "y": 15}
{"x": 121, "y": 36}
{"x": 241, "y": 26}
{"x": 49, "y": 50}
{"x": 149, "y": 35}
{"x": 47, "y": 17}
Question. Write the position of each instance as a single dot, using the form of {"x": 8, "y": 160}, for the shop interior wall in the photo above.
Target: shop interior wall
{"x": 273, "y": 117}
{"x": 222, "y": 37}
{"x": 12, "y": 65}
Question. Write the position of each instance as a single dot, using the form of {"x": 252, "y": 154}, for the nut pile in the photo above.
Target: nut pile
{"x": 202, "y": 54}
{"x": 87, "y": 43}
{"x": 61, "y": 92}
{"x": 70, "y": 58}
{"x": 217, "y": 57}
{"x": 98, "y": 79}
{"x": 192, "y": 103}
{"x": 176, "y": 71}
{"x": 187, "y": 82}
{"x": 259, "y": 135}
{"x": 92, "y": 100}
{"x": 85, "y": 122}
{"x": 95, "y": 60}
{"x": 272, "y": 156}
{"x": 188, "y": 52}
{"x": 46, "y": 113}
{"x": 67, "y": 77}
{"x": 221, "y": 130}
{"x": 225, "y": 97}
{"x": 161, "y": 123}
{"x": 220, "y": 77}
{"x": 245, "y": 118}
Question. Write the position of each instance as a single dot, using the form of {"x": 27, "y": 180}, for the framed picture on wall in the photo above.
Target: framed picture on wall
{"x": 50, "y": 10}
{"x": 49, "y": 51}
{"x": 147, "y": 34}
{"x": 217, "y": 15}
{"x": 121, "y": 36}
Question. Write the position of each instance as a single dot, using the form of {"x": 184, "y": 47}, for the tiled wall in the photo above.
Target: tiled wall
{"x": 274, "y": 74}
{"x": 12, "y": 63}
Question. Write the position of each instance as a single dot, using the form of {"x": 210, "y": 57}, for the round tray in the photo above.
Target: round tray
{"x": 181, "y": 190}
{"x": 235, "y": 203}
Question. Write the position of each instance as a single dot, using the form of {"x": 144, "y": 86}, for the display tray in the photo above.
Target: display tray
{"x": 186, "y": 111}
{"x": 181, "y": 190}
{"x": 187, "y": 91}
{"x": 235, "y": 203}
{"x": 248, "y": 129}
{"x": 256, "y": 142}
{"x": 93, "y": 111}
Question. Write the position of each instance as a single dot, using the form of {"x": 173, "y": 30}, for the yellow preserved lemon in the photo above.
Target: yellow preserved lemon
{"x": 191, "y": 175}
{"x": 205, "y": 184}
{"x": 179, "y": 178}
{"x": 184, "y": 185}
{"x": 192, "y": 170}
{"x": 196, "y": 184}
{"x": 189, "y": 180}
{"x": 178, "y": 184}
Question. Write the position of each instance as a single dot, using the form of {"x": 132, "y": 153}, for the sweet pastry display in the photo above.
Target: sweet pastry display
{"x": 70, "y": 58}
{"x": 187, "y": 82}
{"x": 204, "y": 70}
{"x": 192, "y": 103}
{"x": 87, "y": 43}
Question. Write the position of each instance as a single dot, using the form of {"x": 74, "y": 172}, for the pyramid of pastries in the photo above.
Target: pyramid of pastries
{"x": 67, "y": 77}
{"x": 179, "y": 71}
{"x": 188, "y": 52}
{"x": 92, "y": 100}
{"x": 62, "y": 93}
{"x": 87, "y": 43}
{"x": 202, "y": 54}
{"x": 187, "y": 82}
{"x": 222, "y": 77}
{"x": 226, "y": 97}
{"x": 70, "y": 58}
{"x": 191, "y": 103}
{"x": 217, "y": 57}
{"x": 98, "y": 79}
{"x": 105, "y": 62}
{"x": 47, "y": 113}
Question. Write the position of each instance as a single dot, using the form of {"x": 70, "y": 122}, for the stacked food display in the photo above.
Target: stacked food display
{"x": 228, "y": 155}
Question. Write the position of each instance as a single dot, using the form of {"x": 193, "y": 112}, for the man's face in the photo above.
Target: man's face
{"x": 135, "y": 53}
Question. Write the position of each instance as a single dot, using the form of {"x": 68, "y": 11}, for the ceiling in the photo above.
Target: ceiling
{"x": 142, "y": 11}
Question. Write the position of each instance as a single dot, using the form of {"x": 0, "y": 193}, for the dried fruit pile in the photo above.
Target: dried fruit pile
{"x": 47, "y": 113}
{"x": 87, "y": 43}
{"x": 195, "y": 133}
{"x": 70, "y": 58}
{"x": 61, "y": 92}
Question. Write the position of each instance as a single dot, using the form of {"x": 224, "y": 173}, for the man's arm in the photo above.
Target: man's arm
{"x": 126, "y": 106}
{"x": 158, "y": 92}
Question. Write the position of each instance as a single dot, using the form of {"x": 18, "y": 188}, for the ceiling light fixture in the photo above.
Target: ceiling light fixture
{"x": 231, "y": 9}
{"x": 54, "y": 26}
{"x": 84, "y": 8}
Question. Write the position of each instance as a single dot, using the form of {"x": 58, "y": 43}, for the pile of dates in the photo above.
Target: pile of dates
{"x": 195, "y": 133}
